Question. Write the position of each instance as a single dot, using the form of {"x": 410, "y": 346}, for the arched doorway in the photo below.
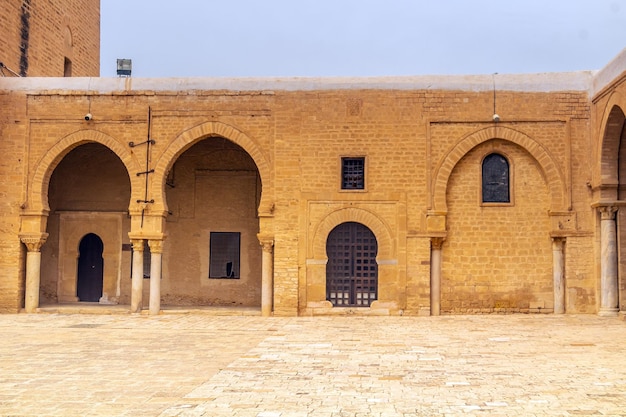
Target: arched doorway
{"x": 352, "y": 270}
{"x": 90, "y": 268}
{"x": 89, "y": 192}
{"x": 213, "y": 256}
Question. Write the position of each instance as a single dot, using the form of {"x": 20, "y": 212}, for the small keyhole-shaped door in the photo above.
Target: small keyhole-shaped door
{"x": 90, "y": 268}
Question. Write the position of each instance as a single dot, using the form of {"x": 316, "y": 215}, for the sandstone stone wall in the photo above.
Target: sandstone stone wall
{"x": 40, "y": 36}
{"x": 13, "y": 169}
{"x": 264, "y": 158}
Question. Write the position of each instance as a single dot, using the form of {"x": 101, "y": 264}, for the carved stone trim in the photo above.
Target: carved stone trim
{"x": 266, "y": 242}
{"x": 156, "y": 246}
{"x": 607, "y": 212}
{"x": 437, "y": 242}
{"x": 558, "y": 243}
{"x": 137, "y": 245}
{"x": 34, "y": 242}
{"x": 267, "y": 245}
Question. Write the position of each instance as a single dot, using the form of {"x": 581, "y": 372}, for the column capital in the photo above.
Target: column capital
{"x": 156, "y": 245}
{"x": 137, "y": 245}
{"x": 267, "y": 243}
{"x": 607, "y": 212}
{"x": 558, "y": 242}
{"x": 33, "y": 241}
{"x": 437, "y": 242}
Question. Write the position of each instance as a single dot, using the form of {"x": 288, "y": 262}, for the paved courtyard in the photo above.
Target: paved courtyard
{"x": 209, "y": 365}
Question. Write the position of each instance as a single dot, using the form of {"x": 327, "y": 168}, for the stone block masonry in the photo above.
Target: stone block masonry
{"x": 261, "y": 160}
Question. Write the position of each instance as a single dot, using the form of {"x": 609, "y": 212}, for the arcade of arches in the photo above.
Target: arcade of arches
{"x": 239, "y": 195}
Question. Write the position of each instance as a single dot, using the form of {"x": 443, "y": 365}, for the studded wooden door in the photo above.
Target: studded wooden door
{"x": 351, "y": 271}
{"x": 90, "y": 268}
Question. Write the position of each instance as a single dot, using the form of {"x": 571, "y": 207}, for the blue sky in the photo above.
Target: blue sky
{"x": 248, "y": 38}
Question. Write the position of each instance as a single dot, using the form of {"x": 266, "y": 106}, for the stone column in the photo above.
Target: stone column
{"x": 436, "y": 244}
{"x": 267, "y": 277}
{"x": 156, "y": 251}
{"x": 136, "y": 293}
{"x": 33, "y": 269}
{"x": 558, "y": 266}
{"x": 608, "y": 262}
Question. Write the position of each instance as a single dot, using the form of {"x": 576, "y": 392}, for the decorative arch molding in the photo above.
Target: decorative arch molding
{"x": 386, "y": 248}
{"x": 40, "y": 180}
{"x": 189, "y": 137}
{"x": 613, "y": 119}
{"x": 550, "y": 170}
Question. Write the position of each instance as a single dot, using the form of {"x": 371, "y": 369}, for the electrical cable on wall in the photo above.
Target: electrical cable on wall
{"x": 495, "y": 117}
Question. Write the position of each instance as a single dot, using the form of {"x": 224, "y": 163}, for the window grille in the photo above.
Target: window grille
{"x": 224, "y": 255}
{"x": 495, "y": 179}
{"x": 352, "y": 173}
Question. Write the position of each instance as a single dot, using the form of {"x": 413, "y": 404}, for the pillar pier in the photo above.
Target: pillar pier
{"x": 267, "y": 277}
{"x": 156, "y": 255}
{"x": 436, "y": 244}
{"x": 33, "y": 243}
{"x": 137, "y": 276}
{"x": 558, "y": 265}
{"x": 608, "y": 262}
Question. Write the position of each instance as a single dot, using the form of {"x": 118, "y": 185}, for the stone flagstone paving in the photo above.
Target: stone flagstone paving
{"x": 177, "y": 365}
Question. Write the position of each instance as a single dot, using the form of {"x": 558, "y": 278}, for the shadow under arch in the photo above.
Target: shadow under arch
{"x": 549, "y": 168}
{"x": 610, "y": 134}
{"x": 386, "y": 247}
{"x": 189, "y": 137}
{"x": 40, "y": 181}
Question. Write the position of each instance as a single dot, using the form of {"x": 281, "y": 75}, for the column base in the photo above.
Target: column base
{"x": 608, "y": 312}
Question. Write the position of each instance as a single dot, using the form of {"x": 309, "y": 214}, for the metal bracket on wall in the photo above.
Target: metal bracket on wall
{"x": 149, "y": 141}
{"x": 148, "y": 170}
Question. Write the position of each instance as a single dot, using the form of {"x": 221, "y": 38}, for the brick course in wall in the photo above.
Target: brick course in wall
{"x": 38, "y": 37}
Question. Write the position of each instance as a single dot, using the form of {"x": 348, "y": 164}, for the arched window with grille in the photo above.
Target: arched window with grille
{"x": 495, "y": 179}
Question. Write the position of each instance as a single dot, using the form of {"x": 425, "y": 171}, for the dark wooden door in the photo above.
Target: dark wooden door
{"x": 90, "y": 267}
{"x": 351, "y": 271}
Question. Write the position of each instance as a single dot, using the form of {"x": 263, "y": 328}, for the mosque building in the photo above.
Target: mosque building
{"x": 413, "y": 195}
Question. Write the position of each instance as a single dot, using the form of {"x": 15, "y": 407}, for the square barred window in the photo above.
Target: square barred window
{"x": 353, "y": 173}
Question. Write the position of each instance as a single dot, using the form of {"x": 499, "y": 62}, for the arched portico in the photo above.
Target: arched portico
{"x": 187, "y": 138}
{"x": 610, "y": 198}
{"x": 194, "y": 140}
{"x": 38, "y": 184}
{"x": 36, "y": 209}
{"x": 610, "y": 137}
